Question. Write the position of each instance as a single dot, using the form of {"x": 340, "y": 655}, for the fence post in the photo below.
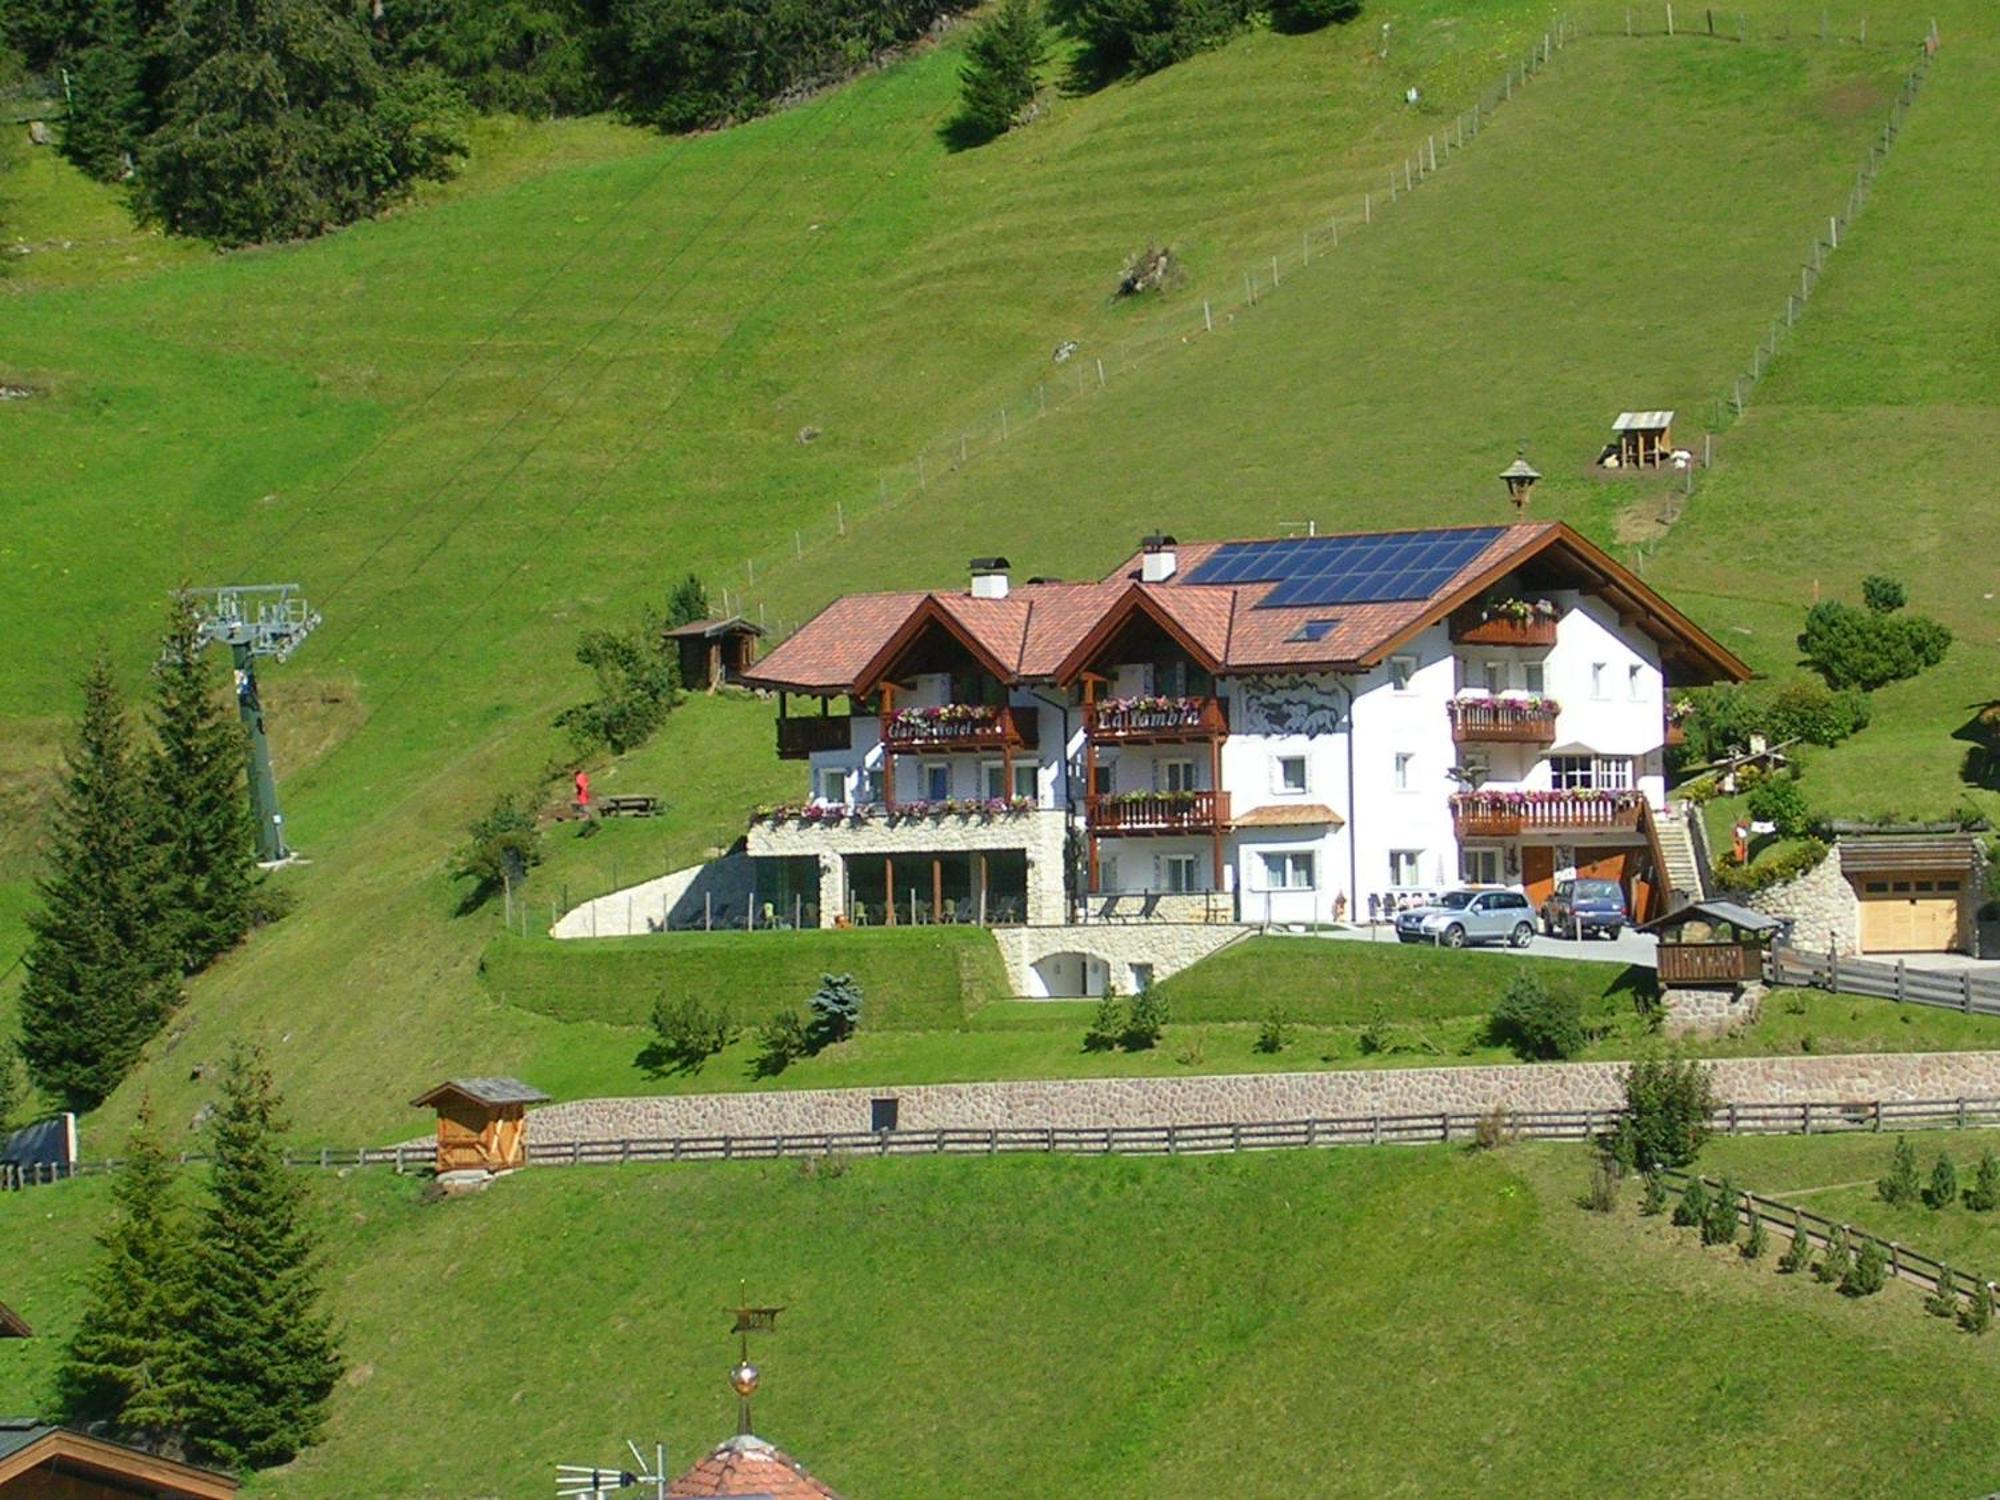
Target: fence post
{"x": 1732, "y": 1117}
{"x": 1312, "y": 1132}
{"x": 1900, "y": 989}
{"x": 1375, "y": 1137}
{"x": 1961, "y": 1111}
{"x": 1878, "y": 1116}
{"x": 1444, "y": 1119}
{"x": 1965, "y": 986}
{"x": 1806, "y": 1112}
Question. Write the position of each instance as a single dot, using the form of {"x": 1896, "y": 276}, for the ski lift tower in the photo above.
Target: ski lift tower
{"x": 257, "y": 620}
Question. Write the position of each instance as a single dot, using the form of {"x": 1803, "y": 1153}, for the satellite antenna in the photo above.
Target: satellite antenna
{"x": 253, "y": 620}
{"x": 594, "y": 1482}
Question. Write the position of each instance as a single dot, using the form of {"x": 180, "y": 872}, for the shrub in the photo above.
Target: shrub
{"x": 504, "y": 845}
{"x": 1718, "y": 1223}
{"x": 689, "y": 1030}
{"x": 1668, "y": 1101}
{"x": 781, "y": 1041}
{"x": 1869, "y": 1272}
{"x": 1107, "y": 1025}
{"x": 1537, "y": 1023}
{"x": 1774, "y": 869}
{"x": 1943, "y": 1189}
{"x": 1799, "y": 1253}
{"x": 1374, "y": 1036}
{"x": 1146, "y": 1020}
{"x": 1274, "y": 1032}
{"x": 1942, "y": 1301}
{"x": 1857, "y": 648}
{"x": 1883, "y": 594}
{"x": 1978, "y": 1314}
{"x": 1143, "y": 36}
{"x": 1984, "y": 1194}
{"x": 1692, "y": 1210}
{"x": 998, "y": 79}
{"x": 1601, "y": 1196}
{"x": 1807, "y": 709}
{"x": 1494, "y": 1129}
{"x": 1781, "y": 801}
{"x": 1833, "y": 1269}
{"x": 1758, "y": 1240}
{"x": 1900, "y": 1186}
{"x": 1310, "y": 15}
{"x": 1653, "y": 1200}
{"x": 638, "y": 685}
{"x": 836, "y": 1010}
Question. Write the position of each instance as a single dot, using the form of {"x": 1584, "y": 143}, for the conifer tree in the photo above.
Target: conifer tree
{"x": 201, "y": 812}
{"x": 124, "y": 1366}
{"x": 101, "y": 975}
{"x": 262, "y": 1357}
{"x": 998, "y": 80}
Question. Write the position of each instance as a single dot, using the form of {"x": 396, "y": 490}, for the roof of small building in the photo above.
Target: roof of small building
{"x": 1740, "y": 917}
{"x": 483, "y": 1091}
{"x": 746, "y": 1466}
{"x": 732, "y": 625}
{"x": 13, "y": 1325}
{"x": 1952, "y": 853}
{"x": 1643, "y": 421}
{"x": 1291, "y": 815}
{"x": 26, "y": 1444}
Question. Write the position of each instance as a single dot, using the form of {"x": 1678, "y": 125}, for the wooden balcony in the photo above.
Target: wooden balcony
{"x": 1122, "y": 816}
{"x": 1502, "y": 721}
{"x": 800, "y": 737}
{"x": 1467, "y": 629}
{"x": 1156, "y": 721}
{"x": 1710, "y": 963}
{"x": 1503, "y": 815}
{"x": 961, "y": 727}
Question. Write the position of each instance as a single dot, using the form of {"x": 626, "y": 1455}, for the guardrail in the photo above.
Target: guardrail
{"x": 1962, "y": 991}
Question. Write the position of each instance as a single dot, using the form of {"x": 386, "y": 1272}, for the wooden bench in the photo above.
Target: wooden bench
{"x": 628, "y": 805}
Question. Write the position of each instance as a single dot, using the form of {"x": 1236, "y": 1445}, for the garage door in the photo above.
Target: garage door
{"x": 1913, "y": 914}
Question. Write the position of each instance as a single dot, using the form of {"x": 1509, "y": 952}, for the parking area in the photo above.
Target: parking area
{"x": 1628, "y": 947}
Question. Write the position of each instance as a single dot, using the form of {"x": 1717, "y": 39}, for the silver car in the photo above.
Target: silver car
{"x": 1470, "y": 916}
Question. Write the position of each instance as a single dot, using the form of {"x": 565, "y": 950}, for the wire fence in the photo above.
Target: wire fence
{"x": 1446, "y": 1127}
{"x": 1080, "y": 374}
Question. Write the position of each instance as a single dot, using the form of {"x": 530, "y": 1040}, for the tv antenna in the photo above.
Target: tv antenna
{"x": 593, "y": 1482}
{"x": 257, "y": 620}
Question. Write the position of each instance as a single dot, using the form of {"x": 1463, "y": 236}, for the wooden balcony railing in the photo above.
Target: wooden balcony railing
{"x": 1710, "y": 963}
{"x": 1502, "y": 721}
{"x": 800, "y": 737}
{"x": 1491, "y": 815}
{"x": 1118, "y": 816}
{"x": 1467, "y": 629}
{"x": 961, "y": 726}
{"x": 1147, "y": 721}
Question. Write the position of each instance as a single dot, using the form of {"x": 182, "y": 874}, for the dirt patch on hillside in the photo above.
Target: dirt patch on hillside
{"x": 1854, "y": 99}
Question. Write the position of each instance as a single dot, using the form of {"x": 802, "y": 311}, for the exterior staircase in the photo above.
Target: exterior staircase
{"x": 1681, "y": 863}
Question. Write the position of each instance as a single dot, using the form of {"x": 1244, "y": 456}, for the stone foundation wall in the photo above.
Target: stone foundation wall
{"x": 1821, "y": 905}
{"x": 1250, "y": 1097}
{"x": 1713, "y": 1011}
{"x": 1166, "y": 948}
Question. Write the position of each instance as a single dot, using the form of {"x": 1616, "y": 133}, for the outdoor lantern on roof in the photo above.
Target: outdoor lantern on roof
{"x": 1519, "y": 477}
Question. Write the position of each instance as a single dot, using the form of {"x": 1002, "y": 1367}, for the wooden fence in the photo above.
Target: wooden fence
{"x": 1437, "y": 1128}
{"x": 1961, "y": 990}
{"x": 1905, "y": 1264}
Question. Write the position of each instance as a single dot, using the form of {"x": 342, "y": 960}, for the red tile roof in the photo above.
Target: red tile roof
{"x": 746, "y": 1466}
{"x": 1036, "y": 629}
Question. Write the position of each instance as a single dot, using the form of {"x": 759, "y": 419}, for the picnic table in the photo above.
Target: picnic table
{"x": 628, "y": 805}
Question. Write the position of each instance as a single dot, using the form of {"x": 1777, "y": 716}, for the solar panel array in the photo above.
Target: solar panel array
{"x": 1313, "y": 570}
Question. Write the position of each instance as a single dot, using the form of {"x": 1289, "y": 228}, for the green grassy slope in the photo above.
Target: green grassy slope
{"x": 1388, "y": 1322}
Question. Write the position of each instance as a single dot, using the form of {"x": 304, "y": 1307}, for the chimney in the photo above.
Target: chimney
{"x": 1159, "y": 562}
{"x": 989, "y": 577}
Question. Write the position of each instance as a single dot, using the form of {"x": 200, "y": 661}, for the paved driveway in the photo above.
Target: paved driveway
{"x": 1628, "y": 947}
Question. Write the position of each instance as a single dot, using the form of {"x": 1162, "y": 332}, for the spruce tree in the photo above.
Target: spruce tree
{"x": 1900, "y": 1185}
{"x": 998, "y": 79}
{"x": 101, "y": 973}
{"x": 124, "y": 1365}
{"x": 262, "y": 1357}
{"x": 201, "y": 812}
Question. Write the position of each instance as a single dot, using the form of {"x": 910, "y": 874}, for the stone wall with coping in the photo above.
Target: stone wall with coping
{"x": 1164, "y": 948}
{"x": 1246, "y": 1098}
{"x": 1037, "y": 833}
{"x": 1821, "y": 904}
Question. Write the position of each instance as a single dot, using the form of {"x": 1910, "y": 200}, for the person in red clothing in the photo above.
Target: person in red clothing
{"x": 582, "y": 791}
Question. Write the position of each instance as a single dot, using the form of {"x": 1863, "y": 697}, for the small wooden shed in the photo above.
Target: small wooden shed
{"x": 1712, "y": 943}
{"x": 481, "y": 1122}
{"x": 1643, "y": 439}
{"x": 714, "y": 652}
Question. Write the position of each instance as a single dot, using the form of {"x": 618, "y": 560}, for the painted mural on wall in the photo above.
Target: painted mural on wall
{"x": 1291, "y": 703}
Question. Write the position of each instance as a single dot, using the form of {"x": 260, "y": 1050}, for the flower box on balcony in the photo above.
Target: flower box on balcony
{"x": 1137, "y": 721}
{"x": 1485, "y": 814}
{"x": 1506, "y": 622}
{"x": 960, "y": 726}
{"x": 1515, "y": 721}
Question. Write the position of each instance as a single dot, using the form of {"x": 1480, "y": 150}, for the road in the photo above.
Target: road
{"x": 1628, "y": 947}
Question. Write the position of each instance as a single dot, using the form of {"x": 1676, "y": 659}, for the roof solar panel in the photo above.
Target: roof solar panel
{"x": 1347, "y": 569}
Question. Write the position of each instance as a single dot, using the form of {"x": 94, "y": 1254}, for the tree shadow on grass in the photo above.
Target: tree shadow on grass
{"x": 1981, "y": 736}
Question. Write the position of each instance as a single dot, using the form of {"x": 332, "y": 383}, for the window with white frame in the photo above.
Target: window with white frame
{"x": 1597, "y": 669}
{"x": 1105, "y": 775}
{"x": 1479, "y": 866}
{"x": 1027, "y": 783}
{"x": 1177, "y": 776}
{"x": 871, "y": 787}
{"x": 832, "y": 784}
{"x": 1288, "y": 870}
{"x": 1403, "y": 866}
{"x": 1288, "y": 773}
{"x": 937, "y": 781}
{"x": 1401, "y": 670}
{"x": 1581, "y": 773}
{"x": 1404, "y": 761}
{"x": 1496, "y": 677}
{"x": 1179, "y": 873}
{"x": 1634, "y": 682}
{"x": 1532, "y": 677}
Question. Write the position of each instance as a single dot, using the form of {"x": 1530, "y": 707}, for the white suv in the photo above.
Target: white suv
{"x": 1470, "y": 916}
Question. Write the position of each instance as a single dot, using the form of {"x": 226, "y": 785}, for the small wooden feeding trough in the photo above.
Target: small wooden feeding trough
{"x": 482, "y": 1123}
{"x": 1711, "y": 964}
{"x": 1640, "y": 440}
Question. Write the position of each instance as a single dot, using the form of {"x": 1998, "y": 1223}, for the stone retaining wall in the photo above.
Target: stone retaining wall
{"x": 1251, "y": 1097}
{"x": 1046, "y": 961}
{"x": 1825, "y": 912}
